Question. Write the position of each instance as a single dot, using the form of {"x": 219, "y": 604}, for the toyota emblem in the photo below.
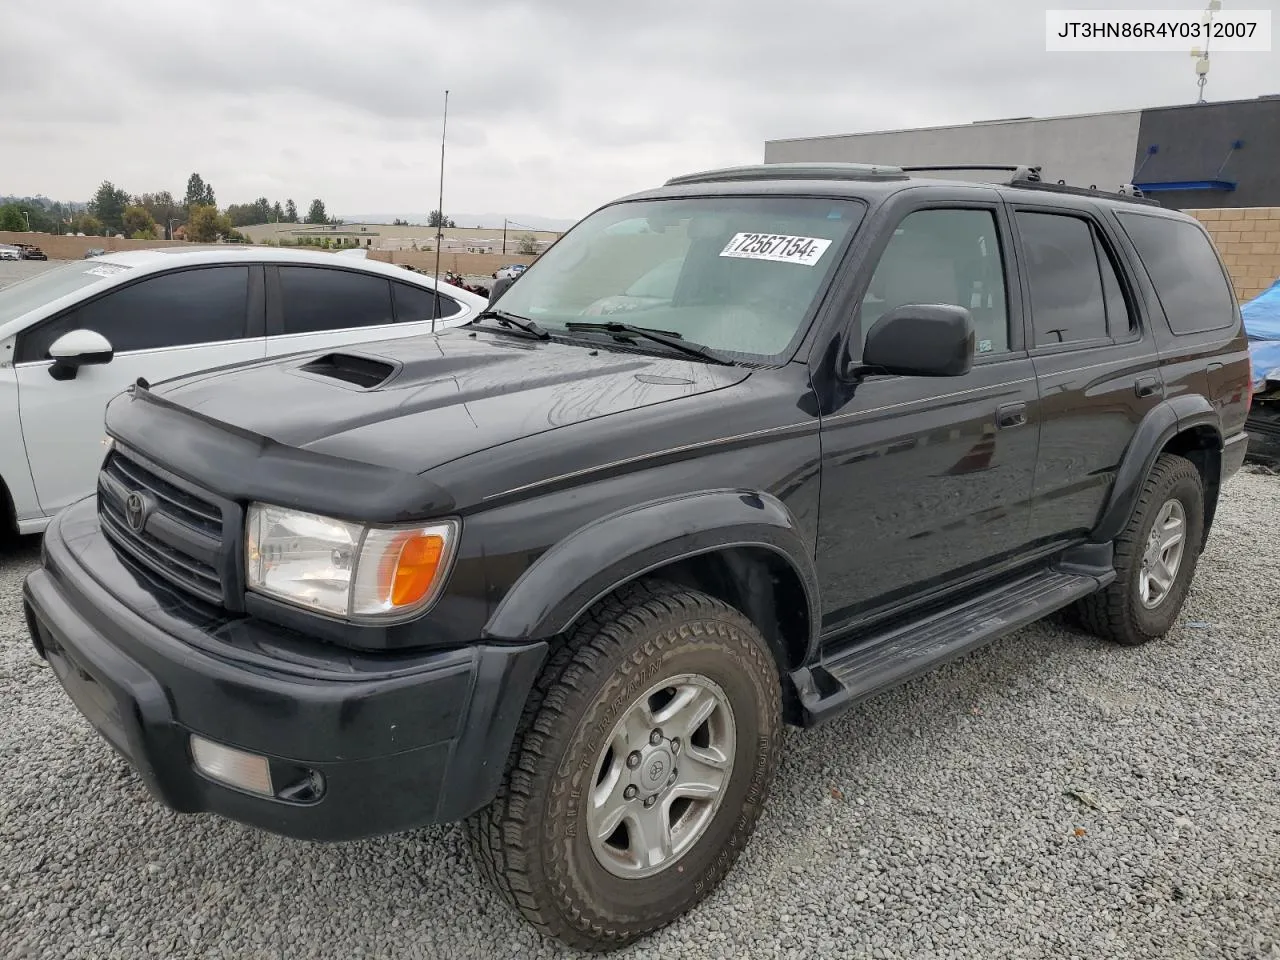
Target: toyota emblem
{"x": 135, "y": 511}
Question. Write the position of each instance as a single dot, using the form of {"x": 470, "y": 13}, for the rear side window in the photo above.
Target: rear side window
{"x": 317, "y": 299}
{"x": 178, "y": 309}
{"x": 1185, "y": 271}
{"x": 417, "y": 304}
{"x": 1068, "y": 303}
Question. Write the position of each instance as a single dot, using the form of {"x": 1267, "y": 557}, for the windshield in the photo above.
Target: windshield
{"x": 737, "y": 274}
{"x": 25, "y": 295}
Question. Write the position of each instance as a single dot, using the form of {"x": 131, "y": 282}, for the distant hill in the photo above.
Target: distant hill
{"x": 489, "y": 221}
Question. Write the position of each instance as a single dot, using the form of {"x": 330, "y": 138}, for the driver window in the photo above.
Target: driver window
{"x": 944, "y": 256}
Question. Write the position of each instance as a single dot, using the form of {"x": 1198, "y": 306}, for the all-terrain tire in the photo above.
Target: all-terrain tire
{"x": 1117, "y": 611}
{"x": 532, "y": 842}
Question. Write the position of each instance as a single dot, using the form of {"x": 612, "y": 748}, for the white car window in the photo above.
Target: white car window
{"x": 317, "y": 299}
{"x": 205, "y": 305}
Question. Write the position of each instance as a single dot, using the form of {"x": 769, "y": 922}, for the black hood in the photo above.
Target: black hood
{"x": 417, "y": 403}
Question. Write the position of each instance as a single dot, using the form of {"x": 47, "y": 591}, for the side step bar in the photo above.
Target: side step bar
{"x": 906, "y": 650}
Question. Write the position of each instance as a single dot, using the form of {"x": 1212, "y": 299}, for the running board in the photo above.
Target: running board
{"x": 906, "y": 650}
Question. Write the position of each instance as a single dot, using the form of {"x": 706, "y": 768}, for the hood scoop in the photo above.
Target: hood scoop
{"x": 353, "y": 368}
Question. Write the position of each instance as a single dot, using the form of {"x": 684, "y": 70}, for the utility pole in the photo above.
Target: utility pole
{"x": 1202, "y": 55}
{"x": 504, "y": 236}
{"x": 27, "y": 217}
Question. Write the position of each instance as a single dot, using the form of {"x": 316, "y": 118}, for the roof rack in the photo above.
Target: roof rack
{"x": 1028, "y": 177}
{"x": 1020, "y": 171}
{"x": 795, "y": 171}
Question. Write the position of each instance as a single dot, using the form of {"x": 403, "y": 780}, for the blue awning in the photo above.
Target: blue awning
{"x": 1165, "y": 186}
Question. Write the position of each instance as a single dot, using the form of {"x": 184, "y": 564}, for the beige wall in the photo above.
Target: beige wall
{"x": 1249, "y": 240}
{"x": 73, "y": 248}
{"x": 468, "y": 264}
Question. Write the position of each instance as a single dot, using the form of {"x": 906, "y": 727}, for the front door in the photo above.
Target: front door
{"x": 162, "y": 326}
{"x": 927, "y": 480}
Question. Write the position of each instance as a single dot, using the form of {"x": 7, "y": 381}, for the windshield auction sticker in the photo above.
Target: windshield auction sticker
{"x": 805, "y": 251}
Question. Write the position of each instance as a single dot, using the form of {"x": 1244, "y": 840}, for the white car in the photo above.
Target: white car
{"x": 8, "y": 252}
{"x": 73, "y": 337}
{"x": 510, "y": 271}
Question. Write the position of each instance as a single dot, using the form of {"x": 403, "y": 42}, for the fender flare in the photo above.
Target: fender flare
{"x": 1161, "y": 424}
{"x": 613, "y": 550}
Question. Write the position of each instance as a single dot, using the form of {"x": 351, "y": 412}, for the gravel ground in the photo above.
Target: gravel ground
{"x": 935, "y": 821}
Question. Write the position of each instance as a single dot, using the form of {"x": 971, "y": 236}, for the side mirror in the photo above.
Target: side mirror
{"x": 499, "y": 288}
{"x": 920, "y": 340}
{"x": 76, "y": 349}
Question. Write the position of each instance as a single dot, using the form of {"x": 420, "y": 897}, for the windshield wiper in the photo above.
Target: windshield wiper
{"x": 668, "y": 338}
{"x": 512, "y": 320}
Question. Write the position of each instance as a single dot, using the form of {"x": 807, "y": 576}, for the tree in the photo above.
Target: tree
{"x": 11, "y": 217}
{"x": 87, "y": 224}
{"x": 108, "y": 206}
{"x": 290, "y": 212}
{"x": 138, "y": 223}
{"x": 199, "y": 193}
{"x": 527, "y": 244}
{"x": 162, "y": 207}
{"x": 277, "y": 212}
{"x": 438, "y": 220}
{"x": 206, "y": 224}
{"x": 316, "y": 214}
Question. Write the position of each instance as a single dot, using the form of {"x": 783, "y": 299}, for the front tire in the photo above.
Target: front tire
{"x": 642, "y": 764}
{"x": 1155, "y": 558}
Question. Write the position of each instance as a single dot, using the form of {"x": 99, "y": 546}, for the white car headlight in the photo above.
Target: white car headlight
{"x": 346, "y": 569}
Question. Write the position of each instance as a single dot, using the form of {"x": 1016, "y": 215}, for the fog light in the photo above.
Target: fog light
{"x": 248, "y": 771}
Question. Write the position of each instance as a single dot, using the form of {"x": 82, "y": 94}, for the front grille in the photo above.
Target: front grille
{"x": 165, "y": 526}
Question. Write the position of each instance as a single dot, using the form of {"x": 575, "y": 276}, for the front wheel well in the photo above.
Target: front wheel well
{"x": 766, "y": 588}
{"x": 8, "y": 513}
{"x": 1202, "y": 445}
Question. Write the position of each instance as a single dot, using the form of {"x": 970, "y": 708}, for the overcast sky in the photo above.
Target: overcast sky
{"x": 555, "y": 106}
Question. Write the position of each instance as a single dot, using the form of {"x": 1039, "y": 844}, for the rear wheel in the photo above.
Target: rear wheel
{"x": 643, "y": 762}
{"x": 1155, "y": 558}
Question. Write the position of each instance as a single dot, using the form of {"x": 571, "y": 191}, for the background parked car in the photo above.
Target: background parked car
{"x": 79, "y": 334}
{"x": 9, "y": 252}
{"x": 511, "y": 270}
{"x": 31, "y": 252}
{"x": 94, "y": 252}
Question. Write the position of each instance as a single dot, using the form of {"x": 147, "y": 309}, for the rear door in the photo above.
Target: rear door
{"x": 316, "y": 308}
{"x": 161, "y": 326}
{"x": 926, "y": 481}
{"x": 1095, "y": 360}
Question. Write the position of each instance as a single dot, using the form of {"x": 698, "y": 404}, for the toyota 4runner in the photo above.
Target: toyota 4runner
{"x": 564, "y": 572}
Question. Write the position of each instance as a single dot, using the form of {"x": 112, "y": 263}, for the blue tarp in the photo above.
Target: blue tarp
{"x": 1262, "y": 324}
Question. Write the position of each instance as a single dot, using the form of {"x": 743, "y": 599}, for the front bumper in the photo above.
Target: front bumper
{"x": 387, "y": 742}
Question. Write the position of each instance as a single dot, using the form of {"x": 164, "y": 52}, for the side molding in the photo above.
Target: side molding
{"x": 613, "y": 550}
{"x": 1161, "y": 424}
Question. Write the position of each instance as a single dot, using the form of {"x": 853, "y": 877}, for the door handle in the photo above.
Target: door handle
{"x": 1011, "y": 415}
{"x": 1147, "y": 387}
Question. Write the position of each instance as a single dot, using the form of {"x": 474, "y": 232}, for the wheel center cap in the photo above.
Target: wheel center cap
{"x": 655, "y": 768}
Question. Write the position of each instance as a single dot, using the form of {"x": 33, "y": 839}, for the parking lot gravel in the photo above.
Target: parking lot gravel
{"x": 1049, "y": 796}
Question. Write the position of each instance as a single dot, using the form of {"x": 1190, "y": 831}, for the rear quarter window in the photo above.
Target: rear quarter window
{"x": 1185, "y": 270}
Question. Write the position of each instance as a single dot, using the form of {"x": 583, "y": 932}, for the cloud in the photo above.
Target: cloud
{"x": 555, "y": 107}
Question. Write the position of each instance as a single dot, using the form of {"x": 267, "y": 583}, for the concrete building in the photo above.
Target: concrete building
{"x": 1205, "y": 156}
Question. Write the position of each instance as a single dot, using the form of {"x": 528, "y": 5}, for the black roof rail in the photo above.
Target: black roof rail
{"x": 794, "y": 171}
{"x": 1127, "y": 193}
{"x": 1020, "y": 171}
{"x": 1028, "y": 177}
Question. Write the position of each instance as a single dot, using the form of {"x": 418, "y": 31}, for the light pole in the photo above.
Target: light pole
{"x": 27, "y": 217}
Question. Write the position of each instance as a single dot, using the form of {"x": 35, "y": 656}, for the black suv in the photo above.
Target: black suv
{"x": 735, "y": 452}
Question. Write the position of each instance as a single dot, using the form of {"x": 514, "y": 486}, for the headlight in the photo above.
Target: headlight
{"x": 346, "y": 569}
